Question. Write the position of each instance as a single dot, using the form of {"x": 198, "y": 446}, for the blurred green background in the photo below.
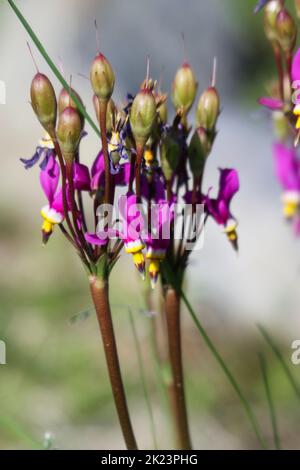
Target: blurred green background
{"x": 55, "y": 379}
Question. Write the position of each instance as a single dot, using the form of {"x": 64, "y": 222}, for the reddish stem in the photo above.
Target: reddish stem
{"x": 102, "y": 121}
{"x": 99, "y": 291}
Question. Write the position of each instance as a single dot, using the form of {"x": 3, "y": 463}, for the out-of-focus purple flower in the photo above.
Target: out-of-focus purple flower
{"x": 157, "y": 243}
{"x": 43, "y": 152}
{"x": 296, "y": 68}
{"x": 121, "y": 175}
{"x": 260, "y": 5}
{"x": 271, "y": 103}
{"x": 287, "y": 167}
{"x": 153, "y": 187}
{"x": 53, "y": 212}
{"x": 219, "y": 208}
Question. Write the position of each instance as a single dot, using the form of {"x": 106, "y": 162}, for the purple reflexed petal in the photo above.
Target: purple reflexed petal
{"x": 98, "y": 165}
{"x": 132, "y": 219}
{"x": 271, "y": 103}
{"x": 57, "y": 202}
{"x": 228, "y": 184}
{"x": 296, "y": 67}
{"x": 49, "y": 178}
{"x": 287, "y": 167}
{"x": 260, "y": 5}
{"x": 122, "y": 178}
{"x": 30, "y": 162}
{"x": 95, "y": 240}
{"x": 81, "y": 177}
{"x": 156, "y": 190}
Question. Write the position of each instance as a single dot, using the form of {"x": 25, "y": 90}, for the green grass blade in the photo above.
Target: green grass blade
{"x": 246, "y": 405}
{"x": 143, "y": 378}
{"x": 280, "y": 358}
{"x": 16, "y": 430}
{"x": 264, "y": 371}
{"x": 53, "y": 67}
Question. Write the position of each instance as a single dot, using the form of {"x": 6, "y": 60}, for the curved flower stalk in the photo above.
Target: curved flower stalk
{"x": 284, "y": 105}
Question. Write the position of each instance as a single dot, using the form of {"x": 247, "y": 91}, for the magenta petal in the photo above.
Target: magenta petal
{"x": 296, "y": 67}
{"x": 81, "y": 177}
{"x": 57, "y": 202}
{"x": 229, "y": 184}
{"x": 49, "y": 178}
{"x": 122, "y": 178}
{"x": 287, "y": 167}
{"x": 98, "y": 164}
{"x": 271, "y": 103}
{"x": 95, "y": 240}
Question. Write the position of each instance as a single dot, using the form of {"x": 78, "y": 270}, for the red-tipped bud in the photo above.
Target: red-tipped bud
{"x": 43, "y": 101}
{"x": 143, "y": 116}
{"x": 286, "y": 30}
{"x": 184, "y": 88}
{"x": 65, "y": 101}
{"x": 208, "y": 109}
{"x": 69, "y": 131}
{"x": 272, "y": 9}
{"x": 102, "y": 78}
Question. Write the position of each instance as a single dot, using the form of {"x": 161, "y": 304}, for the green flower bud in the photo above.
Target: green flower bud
{"x": 199, "y": 149}
{"x": 64, "y": 101}
{"x": 69, "y": 131}
{"x": 286, "y": 30}
{"x": 184, "y": 88}
{"x": 208, "y": 109}
{"x": 43, "y": 101}
{"x": 162, "y": 107}
{"x": 143, "y": 116}
{"x": 102, "y": 78}
{"x": 272, "y": 9}
{"x": 169, "y": 156}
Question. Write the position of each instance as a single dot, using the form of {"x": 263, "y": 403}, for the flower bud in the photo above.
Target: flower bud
{"x": 184, "y": 88}
{"x": 208, "y": 109}
{"x": 169, "y": 156}
{"x": 102, "y": 78}
{"x": 198, "y": 151}
{"x": 162, "y": 107}
{"x": 271, "y": 11}
{"x": 43, "y": 101}
{"x": 65, "y": 100}
{"x": 69, "y": 132}
{"x": 143, "y": 116}
{"x": 286, "y": 30}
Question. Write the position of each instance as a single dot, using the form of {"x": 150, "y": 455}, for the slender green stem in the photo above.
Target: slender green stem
{"x": 280, "y": 358}
{"x": 143, "y": 378}
{"x": 99, "y": 291}
{"x": 264, "y": 371}
{"x": 172, "y": 307}
{"x": 170, "y": 275}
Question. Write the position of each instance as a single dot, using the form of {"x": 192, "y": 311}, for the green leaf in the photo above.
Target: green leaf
{"x": 53, "y": 66}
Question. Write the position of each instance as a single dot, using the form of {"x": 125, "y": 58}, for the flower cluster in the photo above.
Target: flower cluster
{"x": 284, "y": 104}
{"x": 144, "y": 159}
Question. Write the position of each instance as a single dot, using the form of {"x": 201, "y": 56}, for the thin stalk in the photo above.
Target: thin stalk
{"x": 277, "y": 55}
{"x": 138, "y": 164}
{"x": 246, "y": 405}
{"x": 102, "y": 121}
{"x": 143, "y": 378}
{"x": 280, "y": 358}
{"x": 172, "y": 307}
{"x": 263, "y": 366}
{"x": 99, "y": 291}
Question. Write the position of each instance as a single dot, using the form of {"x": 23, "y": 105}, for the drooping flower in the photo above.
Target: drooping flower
{"x": 53, "y": 212}
{"x": 219, "y": 208}
{"x": 44, "y": 151}
{"x": 287, "y": 167}
{"x": 157, "y": 242}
